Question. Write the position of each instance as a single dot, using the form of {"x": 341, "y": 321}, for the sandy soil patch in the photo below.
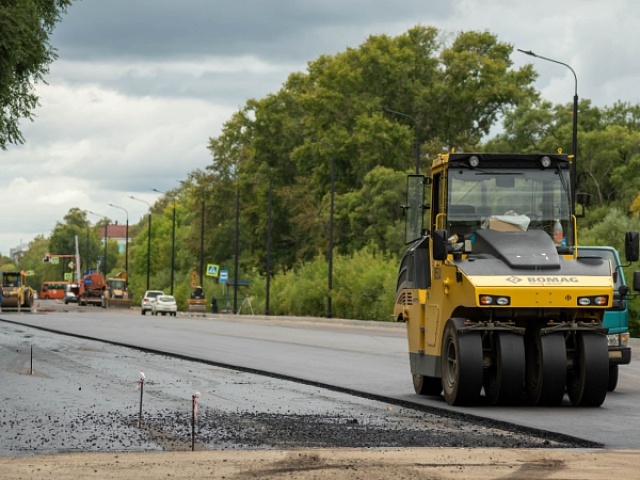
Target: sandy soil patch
{"x": 343, "y": 464}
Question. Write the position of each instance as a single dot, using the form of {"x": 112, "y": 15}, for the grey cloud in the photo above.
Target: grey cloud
{"x": 283, "y": 30}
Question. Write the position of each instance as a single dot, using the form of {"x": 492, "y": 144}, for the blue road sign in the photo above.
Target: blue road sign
{"x": 224, "y": 276}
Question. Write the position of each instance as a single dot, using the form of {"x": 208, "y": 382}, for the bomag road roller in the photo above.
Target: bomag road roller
{"x": 499, "y": 305}
{"x": 16, "y": 294}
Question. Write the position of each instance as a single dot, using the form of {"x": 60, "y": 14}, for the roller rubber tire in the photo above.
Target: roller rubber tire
{"x": 423, "y": 385}
{"x": 461, "y": 366}
{"x": 504, "y": 380}
{"x": 588, "y": 381}
{"x": 546, "y": 367}
{"x": 613, "y": 378}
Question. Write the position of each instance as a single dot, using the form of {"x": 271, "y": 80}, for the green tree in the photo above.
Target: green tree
{"x": 25, "y": 56}
{"x": 76, "y": 225}
{"x": 332, "y": 117}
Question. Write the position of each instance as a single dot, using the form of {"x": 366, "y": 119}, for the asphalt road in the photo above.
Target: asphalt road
{"x": 368, "y": 357}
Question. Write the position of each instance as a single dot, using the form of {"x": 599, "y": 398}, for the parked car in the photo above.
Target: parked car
{"x": 148, "y": 299}
{"x": 165, "y": 304}
{"x": 71, "y": 291}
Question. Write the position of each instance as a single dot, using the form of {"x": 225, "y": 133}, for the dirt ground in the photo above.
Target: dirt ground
{"x": 338, "y": 464}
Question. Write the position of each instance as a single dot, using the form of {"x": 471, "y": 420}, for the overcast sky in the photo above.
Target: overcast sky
{"x": 141, "y": 85}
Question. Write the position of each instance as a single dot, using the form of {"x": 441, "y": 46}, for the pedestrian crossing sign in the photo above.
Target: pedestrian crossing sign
{"x": 212, "y": 270}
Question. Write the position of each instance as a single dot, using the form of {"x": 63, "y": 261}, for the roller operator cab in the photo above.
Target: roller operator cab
{"x": 499, "y": 307}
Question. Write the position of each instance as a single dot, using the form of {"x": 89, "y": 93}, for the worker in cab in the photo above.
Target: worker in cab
{"x": 197, "y": 292}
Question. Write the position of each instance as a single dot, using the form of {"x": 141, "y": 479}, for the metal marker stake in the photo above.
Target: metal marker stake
{"x": 31, "y": 368}
{"x": 194, "y": 414}
{"x": 141, "y": 387}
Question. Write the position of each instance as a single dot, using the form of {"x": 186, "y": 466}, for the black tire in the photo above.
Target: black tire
{"x": 613, "y": 378}
{"x": 504, "y": 379}
{"x": 422, "y": 385}
{"x": 588, "y": 380}
{"x": 461, "y": 363}
{"x": 546, "y": 367}
{"x": 143, "y": 311}
{"x": 28, "y": 302}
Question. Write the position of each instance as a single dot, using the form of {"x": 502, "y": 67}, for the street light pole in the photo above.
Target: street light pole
{"x": 268, "y": 253}
{"x": 331, "y": 211}
{"x": 417, "y": 141}
{"x": 202, "y": 215}
{"x": 126, "y": 245}
{"x": 333, "y": 191}
{"x": 574, "y": 139}
{"x": 237, "y": 250}
{"x": 173, "y": 236}
{"x": 269, "y": 227}
{"x": 106, "y": 238}
{"x": 148, "y": 240}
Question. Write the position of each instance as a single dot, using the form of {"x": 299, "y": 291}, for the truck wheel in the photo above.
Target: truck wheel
{"x": 423, "y": 385}
{"x": 546, "y": 367}
{"x": 504, "y": 379}
{"x": 613, "y": 378}
{"x": 143, "y": 311}
{"x": 588, "y": 381}
{"x": 461, "y": 364}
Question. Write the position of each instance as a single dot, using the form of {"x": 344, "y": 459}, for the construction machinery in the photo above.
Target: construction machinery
{"x": 495, "y": 295}
{"x": 197, "y": 302}
{"x": 92, "y": 288}
{"x": 116, "y": 294}
{"x": 16, "y": 294}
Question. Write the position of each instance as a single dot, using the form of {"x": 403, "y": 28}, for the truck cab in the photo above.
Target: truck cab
{"x": 616, "y": 319}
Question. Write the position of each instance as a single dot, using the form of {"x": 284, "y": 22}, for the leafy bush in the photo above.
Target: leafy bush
{"x": 363, "y": 288}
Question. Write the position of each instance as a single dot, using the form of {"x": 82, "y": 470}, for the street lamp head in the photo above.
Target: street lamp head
{"x": 120, "y": 208}
{"x": 527, "y": 52}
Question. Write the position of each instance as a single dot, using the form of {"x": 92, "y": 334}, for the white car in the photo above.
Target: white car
{"x": 165, "y": 304}
{"x": 148, "y": 300}
{"x": 71, "y": 292}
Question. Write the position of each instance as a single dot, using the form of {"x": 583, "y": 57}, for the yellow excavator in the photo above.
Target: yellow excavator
{"x": 16, "y": 294}
{"x": 197, "y": 301}
{"x": 116, "y": 294}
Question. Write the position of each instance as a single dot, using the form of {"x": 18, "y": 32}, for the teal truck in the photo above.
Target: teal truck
{"x": 616, "y": 319}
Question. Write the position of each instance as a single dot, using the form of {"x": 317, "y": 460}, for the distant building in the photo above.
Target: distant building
{"x": 116, "y": 232}
{"x": 18, "y": 252}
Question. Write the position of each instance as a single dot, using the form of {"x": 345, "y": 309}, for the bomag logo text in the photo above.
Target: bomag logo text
{"x": 558, "y": 280}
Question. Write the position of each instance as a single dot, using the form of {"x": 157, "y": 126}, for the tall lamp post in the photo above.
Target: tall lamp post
{"x": 268, "y": 253}
{"x": 148, "y": 239}
{"x": 574, "y": 139}
{"x": 202, "y": 217}
{"x": 417, "y": 129}
{"x": 237, "y": 249}
{"x": 106, "y": 239}
{"x": 331, "y": 209}
{"x": 173, "y": 235}
{"x": 126, "y": 244}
